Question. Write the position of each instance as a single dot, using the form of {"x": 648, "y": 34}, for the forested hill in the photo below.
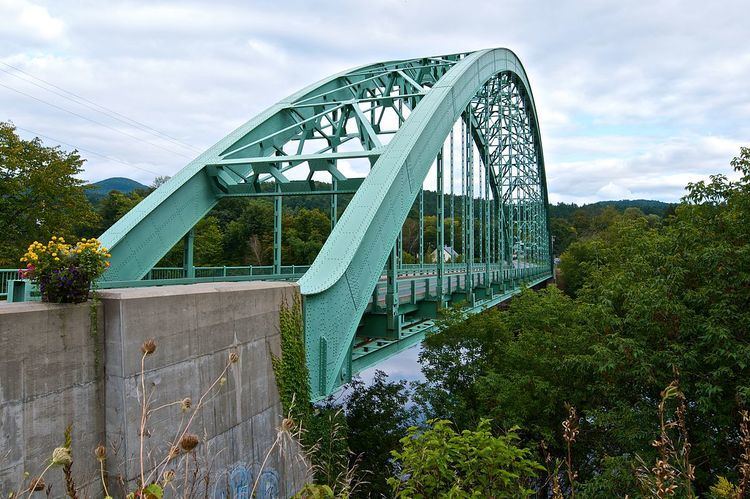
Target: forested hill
{"x": 113, "y": 197}
{"x": 647, "y": 206}
{"x": 98, "y": 190}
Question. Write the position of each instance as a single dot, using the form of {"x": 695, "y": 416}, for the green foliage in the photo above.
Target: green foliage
{"x": 642, "y": 297}
{"x": 325, "y": 438}
{"x": 378, "y": 417}
{"x": 40, "y": 194}
{"x": 153, "y": 491}
{"x": 439, "y": 462}
{"x": 323, "y": 430}
{"x": 114, "y": 205}
{"x": 292, "y": 376}
{"x": 724, "y": 489}
{"x": 312, "y": 491}
{"x": 615, "y": 478}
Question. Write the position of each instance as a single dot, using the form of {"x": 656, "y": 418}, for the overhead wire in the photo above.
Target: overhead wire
{"x": 78, "y": 99}
{"x": 93, "y": 121}
{"x": 110, "y": 158}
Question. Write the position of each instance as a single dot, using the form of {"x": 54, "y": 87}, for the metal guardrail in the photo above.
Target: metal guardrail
{"x": 5, "y": 276}
{"x": 178, "y": 275}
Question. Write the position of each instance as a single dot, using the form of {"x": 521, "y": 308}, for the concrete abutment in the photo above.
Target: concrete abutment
{"x": 56, "y": 369}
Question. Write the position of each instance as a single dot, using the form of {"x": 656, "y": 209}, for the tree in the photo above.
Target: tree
{"x": 159, "y": 181}
{"x": 439, "y": 462}
{"x": 40, "y": 195}
{"x": 114, "y": 206}
{"x": 378, "y": 417}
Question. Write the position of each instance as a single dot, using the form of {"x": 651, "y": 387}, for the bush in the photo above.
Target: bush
{"x": 439, "y": 462}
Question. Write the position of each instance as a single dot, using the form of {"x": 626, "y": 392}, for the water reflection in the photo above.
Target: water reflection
{"x": 402, "y": 366}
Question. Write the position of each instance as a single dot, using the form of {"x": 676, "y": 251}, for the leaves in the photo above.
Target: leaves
{"x": 473, "y": 463}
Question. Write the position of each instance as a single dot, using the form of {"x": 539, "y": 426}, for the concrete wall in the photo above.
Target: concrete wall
{"x": 195, "y": 327}
{"x": 48, "y": 380}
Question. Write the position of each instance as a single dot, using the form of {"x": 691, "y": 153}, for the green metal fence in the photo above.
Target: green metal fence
{"x": 5, "y": 276}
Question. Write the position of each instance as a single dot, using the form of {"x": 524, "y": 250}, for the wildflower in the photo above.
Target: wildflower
{"x": 185, "y": 404}
{"x": 189, "y": 442}
{"x": 223, "y": 381}
{"x": 61, "y": 457}
{"x": 148, "y": 347}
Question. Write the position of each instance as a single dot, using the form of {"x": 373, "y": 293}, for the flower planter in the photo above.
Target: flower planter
{"x": 64, "y": 272}
{"x": 68, "y": 285}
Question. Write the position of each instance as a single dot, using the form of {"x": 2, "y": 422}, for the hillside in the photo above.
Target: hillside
{"x": 647, "y": 206}
{"x": 100, "y": 189}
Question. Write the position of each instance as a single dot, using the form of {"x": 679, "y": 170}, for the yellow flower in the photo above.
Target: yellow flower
{"x": 54, "y": 238}
{"x": 54, "y": 254}
{"x": 57, "y": 259}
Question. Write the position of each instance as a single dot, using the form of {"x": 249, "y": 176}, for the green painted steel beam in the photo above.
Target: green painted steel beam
{"x": 342, "y": 118}
{"x": 347, "y": 268}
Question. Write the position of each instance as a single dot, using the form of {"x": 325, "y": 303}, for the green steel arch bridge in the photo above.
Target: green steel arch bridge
{"x": 464, "y": 123}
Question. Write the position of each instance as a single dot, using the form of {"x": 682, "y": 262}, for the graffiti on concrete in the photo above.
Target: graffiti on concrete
{"x": 238, "y": 482}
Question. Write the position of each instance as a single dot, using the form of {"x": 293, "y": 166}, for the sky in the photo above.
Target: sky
{"x": 635, "y": 99}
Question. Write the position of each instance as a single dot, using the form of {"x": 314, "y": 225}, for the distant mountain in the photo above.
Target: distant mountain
{"x": 100, "y": 189}
{"x": 647, "y": 206}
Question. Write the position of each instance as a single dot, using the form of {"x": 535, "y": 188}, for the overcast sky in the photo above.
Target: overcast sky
{"x": 635, "y": 99}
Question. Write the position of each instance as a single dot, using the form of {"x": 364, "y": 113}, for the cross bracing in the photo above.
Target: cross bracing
{"x": 463, "y": 123}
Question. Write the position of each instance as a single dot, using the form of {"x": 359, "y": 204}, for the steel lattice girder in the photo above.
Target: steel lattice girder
{"x": 344, "y": 114}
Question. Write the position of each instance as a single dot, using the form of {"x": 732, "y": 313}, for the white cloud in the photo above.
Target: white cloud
{"x": 632, "y": 97}
{"x": 25, "y": 20}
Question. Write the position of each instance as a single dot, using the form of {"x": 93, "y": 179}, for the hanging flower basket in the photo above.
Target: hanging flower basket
{"x": 65, "y": 272}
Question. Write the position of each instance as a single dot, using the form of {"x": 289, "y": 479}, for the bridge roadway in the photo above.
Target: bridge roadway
{"x": 417, "y": 304}
{"x": 377, "y": 338}
{"x": 417, "y": 291}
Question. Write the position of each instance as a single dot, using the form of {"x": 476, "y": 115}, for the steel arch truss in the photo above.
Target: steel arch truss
{"x": 389, "y": 121}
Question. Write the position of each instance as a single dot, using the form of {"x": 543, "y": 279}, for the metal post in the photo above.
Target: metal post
{"x": 277, "y": 234}
{"x": 187, "y": 254}
{"x": 470, "y": 200}
{"x": 453, "y": 212}
{"x": 440, "y": 233}
{"x": 421, "y": 228}
{"x": 463, "y": 193}
{"x": 391, "y": 292}
{"x": 486, "y": 200}
{"x": 334, "y": 204}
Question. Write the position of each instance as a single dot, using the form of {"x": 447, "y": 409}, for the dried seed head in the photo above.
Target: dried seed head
{"x": 189, "y": 442}
{"x": 37, "y": 485}
{"x": 61, "y": 457}
{"x": 100, "y": 452}
{"x": 148, "y": 347}
{"x": 234, "y": 357}
{"x": 185, "y": 404}
{"x": 287, "y": 424}
{"x": 168, "y": 477}
{"x": 173, "y": 452}
{"x": 570, "y": 425}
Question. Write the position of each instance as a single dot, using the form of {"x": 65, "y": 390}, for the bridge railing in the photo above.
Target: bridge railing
{"x": 5, "y": 276}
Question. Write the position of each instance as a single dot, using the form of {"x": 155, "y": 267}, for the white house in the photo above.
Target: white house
{"x": 448, "y": 254}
